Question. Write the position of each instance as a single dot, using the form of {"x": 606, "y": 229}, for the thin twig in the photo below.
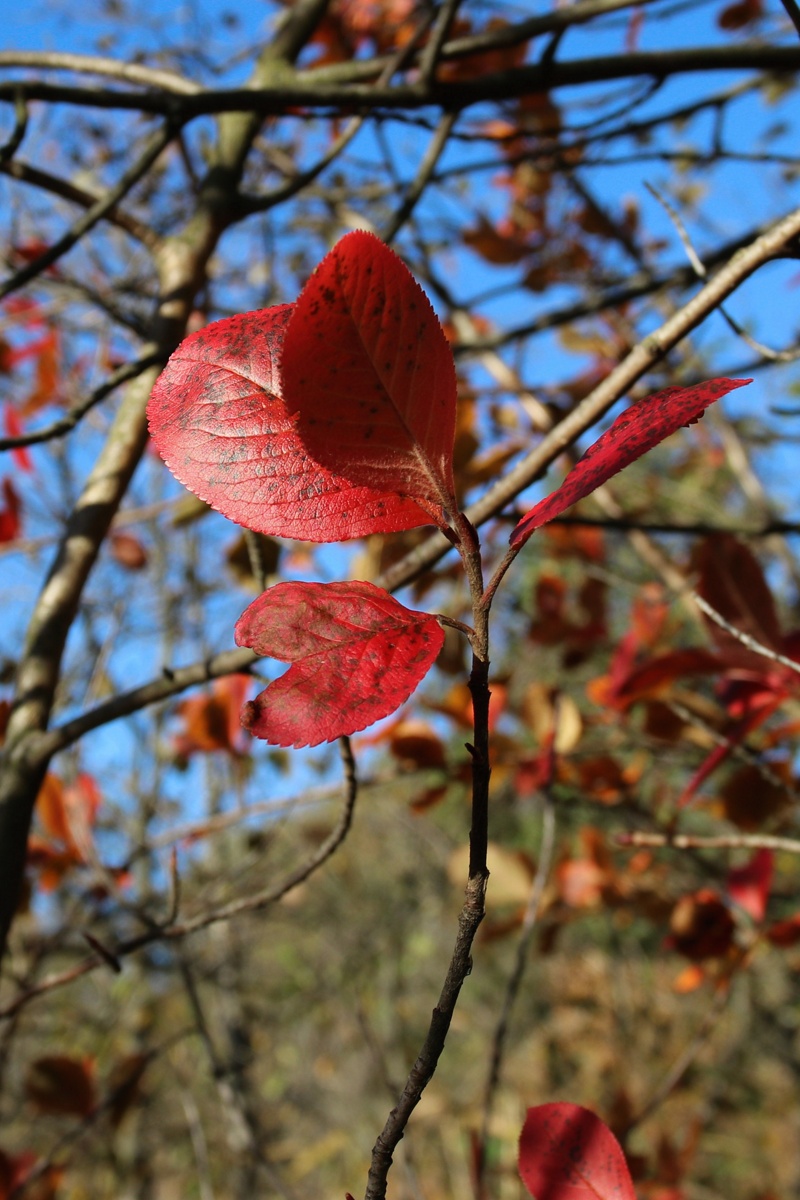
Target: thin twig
{"x": 431, "y": 52}
{"x": 422, "y": 178}
{"x": 684, "y": 1060}
{"x": 515, "y": 979}
{"x": 723, "y": 841}
{"x": 744, "y": 638}
{"x": 783, "y": 356}
{"x": 90, "y": 64}
{"x": 73, "y": 415}
{"x": 155, "y": 146}
{"x": 14, "y": 142}
{"x": 36, "y": 177}
{"x": 248, "y": 904}
{"x": 793, "y": 9}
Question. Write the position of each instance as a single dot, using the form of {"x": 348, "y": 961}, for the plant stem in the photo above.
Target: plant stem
{"x": 473, "y": 909}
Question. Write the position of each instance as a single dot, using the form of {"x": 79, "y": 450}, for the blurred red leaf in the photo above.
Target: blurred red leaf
{"x": 14, "y": 1168}
{"x": 733, "y": 583}
{"x": 367, "y": 368}
{"x": 743, "y": 12}
{"x": 501, "y": 247}
{"x": 701, "y": 926}
{"x": 784, "y": 933}
{"x": 127, "y": 550}
{"x": 567, "y": 1153}
{"x": 61, "y": 1086}
{"x": 637, "y": 430}
{"x": 356, "y": 655}
{"x": 218, "y": 419}
{"x": 14, "y": 429}
{"x": 211, "y": 720}
{"x": 10, "y": 524}
{"x": 46, "y": 389}
{"x": 749, "y": 885}
{"x": 51, "y": 809}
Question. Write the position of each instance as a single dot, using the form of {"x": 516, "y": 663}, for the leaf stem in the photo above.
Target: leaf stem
{"x": 473, "y": 909}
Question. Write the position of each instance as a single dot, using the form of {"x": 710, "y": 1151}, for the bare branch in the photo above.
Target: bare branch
{"x": 90, "y": 64}
{"x": 98, "y": 210}
{"x": 725, "y": 841}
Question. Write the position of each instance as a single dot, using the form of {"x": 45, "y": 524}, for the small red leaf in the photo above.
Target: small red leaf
{"x": 218, "y": 420}
{"x": 367, "y": 367}
{"x": 635, "y": 431}
{"x": 568, "y": 1153}
{"x": 357, "y": 654}
{"x": 749, "y": 885}
{"x": 211, "y": 720}
{"x": 61, "y": 1085}
{"x": 9, "y": 514}
{"x": 14, "y": 429}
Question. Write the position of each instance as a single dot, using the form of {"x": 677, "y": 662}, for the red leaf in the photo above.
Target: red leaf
{"x": 749, "y": 886}
{"x": 219, "y": 421}
{"x": 367, "y": 367}
{"x": 10, "y": 524}
{"x": 211, "y": 720}
{"x": 128, "y": 550}
{"x": 14, "y": 429}
{"x": 357, "y": 654}
{"x": 635, "y": 431}
{"x": 732, "y": 581}
{"x": 13, "y": 1171}
{"x": 568, "y": 1153}
{"x": 701, "y": 926}
{"x": 62, "y": 1086}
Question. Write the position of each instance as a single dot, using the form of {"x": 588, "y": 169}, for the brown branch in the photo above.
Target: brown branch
{"x": 723, "y": 841}
{"x": 24, "y": 173}
{"x": 181, "y": 263}
{"x": 71, "y": 418}
{"x": 248, "y": 904}
{"x": 641, "y": 358}
{"x": 474, "y": 906}
{"x": 95, "y": 213}
{"x": 90, "y": 64}
{"x": 502, "y": 1024}
{"x": 309, "y": 90}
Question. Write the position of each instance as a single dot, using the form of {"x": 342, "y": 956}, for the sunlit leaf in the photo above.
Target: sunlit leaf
{"x": 635, "y": 431}
{"x": 367, "y": 369}
{"x": 219, "y": 421}
{"x": 356, "y": 655}
{"x": 567, "y": 1153}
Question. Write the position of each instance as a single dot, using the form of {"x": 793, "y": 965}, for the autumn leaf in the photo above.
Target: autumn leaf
{"x": 568, "y": 1153}
{"x": 367, "y": 368}
{"x": 61, "y": 1085}
{"x": 219, "y": 421}
{"x": 211, "y": 719}
{"x": 14, "y": 429}
{"x": 10, "y": 524}
{"x": 635, "y": 431}
{"x": 356, "y": 655}
{"x": 749, "y": 885}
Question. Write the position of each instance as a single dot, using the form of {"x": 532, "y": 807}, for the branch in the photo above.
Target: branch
{"x": 98, "y": 210}
{"x": 25, "y": 173}
{"x": 123, "y": 374}
{"x": 177, "y": 930}
{"x": 643, "y": 356}
{"x": 515, "y": 979}
{"x": 90, "y": 64}
{"x": 725, "y": 841}
{"x": 310, "y": 90}
{"x": 181, "y": 262}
